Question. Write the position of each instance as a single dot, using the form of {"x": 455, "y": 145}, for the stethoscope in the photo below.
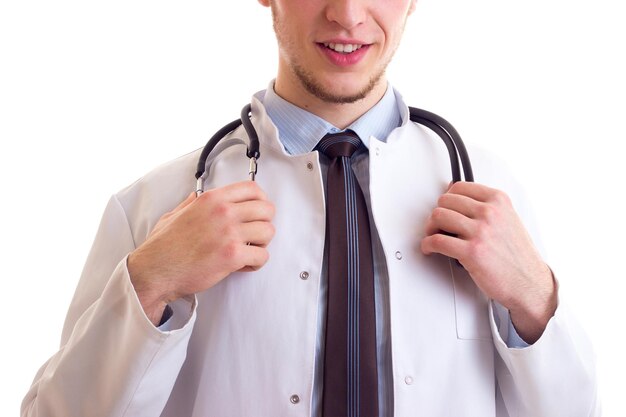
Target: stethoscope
{"x": 447, "y": 132}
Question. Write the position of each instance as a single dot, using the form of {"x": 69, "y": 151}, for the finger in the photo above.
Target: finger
{"x": 237, "y": 192}
{"x": 450, "y": 246}
{"x": 478, "y": 192}
{"x": 443, "y": 219}
{"x": 258, "y": 210}
{"x": 257, "y": 233}
{"x": 254, "y": 258}
{"x": 461, "y": 204}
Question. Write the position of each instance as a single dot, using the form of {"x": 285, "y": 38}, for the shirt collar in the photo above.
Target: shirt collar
{"x": 299, "y": 130}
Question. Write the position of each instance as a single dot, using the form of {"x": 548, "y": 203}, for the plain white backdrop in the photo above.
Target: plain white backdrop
{"x": 95, "y": 94}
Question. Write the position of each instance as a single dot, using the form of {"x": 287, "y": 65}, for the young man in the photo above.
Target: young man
{"x": 222, "y": 305}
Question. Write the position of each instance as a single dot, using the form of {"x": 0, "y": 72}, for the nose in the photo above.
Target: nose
{"x": 347, "y": 13}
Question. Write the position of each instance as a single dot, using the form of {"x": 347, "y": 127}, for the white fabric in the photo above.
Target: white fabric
{"x": 246, "y": 347}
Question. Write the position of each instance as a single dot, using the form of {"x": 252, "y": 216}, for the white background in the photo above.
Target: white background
{"x": 95, "y": 94}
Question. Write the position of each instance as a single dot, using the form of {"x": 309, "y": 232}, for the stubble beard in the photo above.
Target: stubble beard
{"x": 307, "y": 78}
{"x": 308, "y": 81}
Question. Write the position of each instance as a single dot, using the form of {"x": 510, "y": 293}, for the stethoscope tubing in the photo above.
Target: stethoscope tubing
{"x": 457, "y": 151}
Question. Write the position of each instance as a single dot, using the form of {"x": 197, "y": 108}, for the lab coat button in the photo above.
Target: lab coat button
{"x": 304, "y": 275}
{"x": 398, "y": 255}
{"x": 309, "y": 166}
{"x": 294, "y": 399}
{"x": 408, "y": 380}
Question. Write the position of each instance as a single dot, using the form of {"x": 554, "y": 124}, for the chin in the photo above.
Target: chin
{"x": 341, "y": 89}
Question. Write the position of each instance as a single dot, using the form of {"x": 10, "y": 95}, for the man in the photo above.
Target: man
{"x": 222, "y": 305}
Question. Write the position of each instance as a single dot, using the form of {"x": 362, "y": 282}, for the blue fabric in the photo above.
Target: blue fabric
{"x": 299, "y": 131}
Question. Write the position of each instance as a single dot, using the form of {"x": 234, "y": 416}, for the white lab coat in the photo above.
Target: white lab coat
{"x": 246, "y": 347}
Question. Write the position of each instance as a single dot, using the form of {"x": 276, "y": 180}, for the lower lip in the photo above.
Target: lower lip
{"x": 344, "y": 60}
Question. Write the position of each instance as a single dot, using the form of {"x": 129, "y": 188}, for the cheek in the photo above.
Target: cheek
{"x": 295, "y": 10}
{"x": 392, "y": 15}
{"x": 394, "y": 31}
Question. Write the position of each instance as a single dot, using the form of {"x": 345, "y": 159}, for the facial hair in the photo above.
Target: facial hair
{"x": 308, "y": 80}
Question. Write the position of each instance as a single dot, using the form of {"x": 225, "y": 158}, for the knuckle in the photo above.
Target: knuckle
{"x": 208, "y": 196}
{"x": 255, "y": 189}
{"x": 501, "y": 197}
{"x": 249, "y": 185}
{"x": 223, "y": 209}
{"x": 438, "y": 214}
{"x": 230, "y": 251}
{"x": 486, "y": 211}
{"x": 481, "y": 235}
{"x": 437, "y": 240}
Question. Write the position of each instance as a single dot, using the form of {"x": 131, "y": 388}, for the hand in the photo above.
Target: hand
{"x": 492, "y": 244}
{"x": 199, "y": 243}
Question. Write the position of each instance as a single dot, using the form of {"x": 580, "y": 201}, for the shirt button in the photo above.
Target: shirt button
{"x": 294, "y": 399}
{"x": 398, "y": 255}
{"x": 309, "y": 166}
{"x": 408, "y": 380}
{"x": 304, "y": 275}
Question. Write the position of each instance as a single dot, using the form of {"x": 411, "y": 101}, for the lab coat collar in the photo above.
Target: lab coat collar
{"x": 263, "y": 123}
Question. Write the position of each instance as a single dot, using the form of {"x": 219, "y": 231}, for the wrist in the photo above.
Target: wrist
{"x": 531, "y": 313}
{"x": 150, "y": 296}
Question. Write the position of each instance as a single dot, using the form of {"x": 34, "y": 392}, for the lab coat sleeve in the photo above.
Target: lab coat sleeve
{"x": 553, "y": 377}
{"x": 112, "y": 360}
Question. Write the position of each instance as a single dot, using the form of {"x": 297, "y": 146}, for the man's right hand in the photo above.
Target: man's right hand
{"x": 199, "y": 243}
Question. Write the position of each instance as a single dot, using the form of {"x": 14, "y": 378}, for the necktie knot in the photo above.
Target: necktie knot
{"x": 335, "y": 145}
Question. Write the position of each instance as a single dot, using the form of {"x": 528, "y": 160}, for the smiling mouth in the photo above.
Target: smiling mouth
{"x": 342, "y": 48}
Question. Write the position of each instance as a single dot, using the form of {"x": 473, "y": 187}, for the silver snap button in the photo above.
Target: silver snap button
{"x": 294, "y": 399}
{"x": 408, "y": 380}
{"x": 309, "y": 166}
{"x": 398, "y": 255}
{"x": 304, "y": 275}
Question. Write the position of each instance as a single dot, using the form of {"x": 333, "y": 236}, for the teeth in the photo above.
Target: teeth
{"x": 344, "y": 48}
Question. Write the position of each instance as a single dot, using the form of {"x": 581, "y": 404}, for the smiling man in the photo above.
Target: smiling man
{"x": 328, "y": 287}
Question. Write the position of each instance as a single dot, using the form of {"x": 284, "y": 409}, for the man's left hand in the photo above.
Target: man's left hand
{"x": 478, "y": 226}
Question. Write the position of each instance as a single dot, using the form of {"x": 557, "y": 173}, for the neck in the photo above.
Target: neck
{"x": 340, "y": 115}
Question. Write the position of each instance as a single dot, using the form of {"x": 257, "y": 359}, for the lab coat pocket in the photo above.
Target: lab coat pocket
{"x": 471, "y": 306}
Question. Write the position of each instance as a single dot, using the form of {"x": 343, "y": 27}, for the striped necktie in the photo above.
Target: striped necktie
{"x": 350, "y": 368}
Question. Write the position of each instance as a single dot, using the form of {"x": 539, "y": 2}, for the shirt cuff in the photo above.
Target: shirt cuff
{"x": 514, "y": 340}
{"x": 504, "y": 329}
{"x": 177, "y": 314}
{"x": 167, "y": 314}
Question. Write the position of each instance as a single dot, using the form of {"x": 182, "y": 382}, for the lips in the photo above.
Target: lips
{"x": 343, "y": 53}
